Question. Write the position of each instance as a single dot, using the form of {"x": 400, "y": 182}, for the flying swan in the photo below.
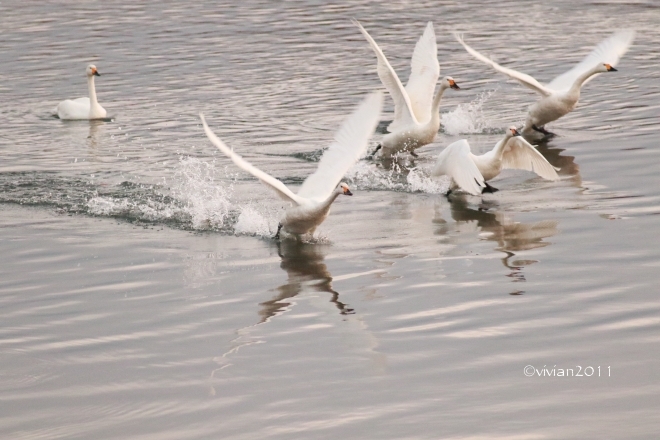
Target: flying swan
{"x": 470, "y": 172}
{"x": 312, "y": 203}
{"x": 83, "y": 108}
{"x": 561, "y": 95}
{"x": 416, "y": 110}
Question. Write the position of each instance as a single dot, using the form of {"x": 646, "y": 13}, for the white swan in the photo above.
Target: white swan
{"x": 83, "y": 108}
{"x": 416, "y": 110}
{"x": 561, "y": 95}
{"x": 312, "y": 203}
{"x": 470, "y": 172}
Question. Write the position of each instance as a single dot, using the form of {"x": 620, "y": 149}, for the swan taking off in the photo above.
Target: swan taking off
{"x": 312, "y": 203}
{"x": 416, "y": 110}
{"x": 561, "y": 95}
{"x": 470, "y": 172}
{"x": 83, "y": 108}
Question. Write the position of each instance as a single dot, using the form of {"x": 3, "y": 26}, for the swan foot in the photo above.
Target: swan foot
{"x": 488, "y": 189}
{"x": 373, "y": 153}
{"x": 279, "y": 228}
{"x": 542, "y": 130}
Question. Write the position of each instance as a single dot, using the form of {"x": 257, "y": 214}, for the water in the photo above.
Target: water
{"x": 143, "y": 298}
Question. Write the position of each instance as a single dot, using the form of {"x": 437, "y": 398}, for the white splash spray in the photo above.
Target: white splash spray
{"x": 204, "y": 192}
{"x": 468, "y": 118}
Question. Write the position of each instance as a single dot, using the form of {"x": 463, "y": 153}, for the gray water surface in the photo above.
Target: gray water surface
{"x": 141, "y": 295}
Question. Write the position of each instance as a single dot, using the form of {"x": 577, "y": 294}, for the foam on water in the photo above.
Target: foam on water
{"x": 367, "y": 176}
{"x": 468, "y": 118}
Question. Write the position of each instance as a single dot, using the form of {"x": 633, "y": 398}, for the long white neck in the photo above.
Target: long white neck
{"x": 577, "y": 85}
{"x": 326, "y": 204}
{"x": 498, "y": 150}
{"x": 92, "y": 91}
{"x": 435, "y": 107}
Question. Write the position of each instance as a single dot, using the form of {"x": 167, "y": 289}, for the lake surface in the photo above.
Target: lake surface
{"x": 141, "y": 295}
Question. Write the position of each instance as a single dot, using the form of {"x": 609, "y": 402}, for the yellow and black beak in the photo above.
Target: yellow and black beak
{"x": 347, "y": 192}
{"x": 453, "y": 85}
{"x": 515, "y": 132}
{"x": 96, "y": 73}
{"x": 610, "y": 68}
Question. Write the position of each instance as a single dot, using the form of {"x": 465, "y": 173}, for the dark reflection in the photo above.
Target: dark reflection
{"x": 94, "y": 132}
{"x": 303, "y": 262}
{"x": 567, "y": 164}
{"x": 510, "y": 236}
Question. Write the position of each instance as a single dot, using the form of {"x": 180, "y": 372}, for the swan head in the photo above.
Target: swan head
{"x": 91, "y": 70}
{"x": 512, "y": 131}
{"x": 343, "y": 189}
{"x": 608, "y": 68}
{"x": 449, "y": 82}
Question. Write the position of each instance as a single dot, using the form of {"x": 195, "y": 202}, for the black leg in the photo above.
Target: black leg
{"x": 373, "y": 153}
{"x": 542, "y": 130}
{"x": 489, "y": 189}
{"x": 277, "y": 235}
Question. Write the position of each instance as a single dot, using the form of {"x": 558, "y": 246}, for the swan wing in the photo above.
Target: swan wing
{"x": 522, "y": 78}
{"x": 424, "y": 74}
{"x": 521, "y": 155}
{"x": 456, "y": 162}
{"x": 279, "y": 187}
{"x": 403, "y": 113}
{"x": 610, "y": 51}
{"x": 349, "y": 145}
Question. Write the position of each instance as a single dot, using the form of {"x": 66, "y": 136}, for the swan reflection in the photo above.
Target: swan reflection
{"x": 303, "y": 263}
{"x": 511, "y": 236}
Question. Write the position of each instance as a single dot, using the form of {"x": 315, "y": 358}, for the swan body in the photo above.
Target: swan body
{"x": 470, "y": 172}
{"x": 416, "y": 109}
{"x": 311, "y": 205}
{"x": 83, "y": 108}
{"x": 562, "y": 94}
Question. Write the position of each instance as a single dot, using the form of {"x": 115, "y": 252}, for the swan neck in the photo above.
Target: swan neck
{"x": 435, "y": 109}
{"x": 326, "y": 204}
{"x": 577, "y": 85}
{"x": 499, "y": 147}
{"x": 92, "y": 91}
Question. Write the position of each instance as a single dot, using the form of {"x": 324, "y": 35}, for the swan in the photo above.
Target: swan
{"x": 416, "y": 111}
{"x": 312, "y": 203}
{"x": 470, "y": 172}
{"x": 83, "y": 108}
{"x": 561, "y": 95}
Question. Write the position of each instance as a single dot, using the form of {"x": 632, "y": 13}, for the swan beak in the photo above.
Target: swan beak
{"x": 453, "y": 85}
{"x": 515, "y": 132}
{"x": 610, "y": 68}
{"x": 347, "y": 192}
{"x": 96, "y": 73}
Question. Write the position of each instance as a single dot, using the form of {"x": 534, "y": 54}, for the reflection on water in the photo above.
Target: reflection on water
{"x": 303, "y": 262}
{"x": 511, "y": 236}
{"x": 566, "y": 164}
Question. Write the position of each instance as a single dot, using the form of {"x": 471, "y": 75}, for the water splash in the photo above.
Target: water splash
{"x": 419, "y": 181}
{"x": 204, "y": 192}
{"x": 255, "y": 220}
{"x": 468, "y": 118}
{"x": 367, "y": 176}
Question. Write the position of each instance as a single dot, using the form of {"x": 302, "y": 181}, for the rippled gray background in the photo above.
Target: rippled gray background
{"x": 141, "y": 298}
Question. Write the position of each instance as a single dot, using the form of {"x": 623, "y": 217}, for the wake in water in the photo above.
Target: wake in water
{"x": 469, "y": 118}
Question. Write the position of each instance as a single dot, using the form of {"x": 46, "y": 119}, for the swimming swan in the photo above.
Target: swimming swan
{"x": 561, "y": 95}
{"x": 312, "y": 203}
{"x": 470, "y": 172}
{"x": 83, "y": 108}
{"x": 416, "y": 110}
